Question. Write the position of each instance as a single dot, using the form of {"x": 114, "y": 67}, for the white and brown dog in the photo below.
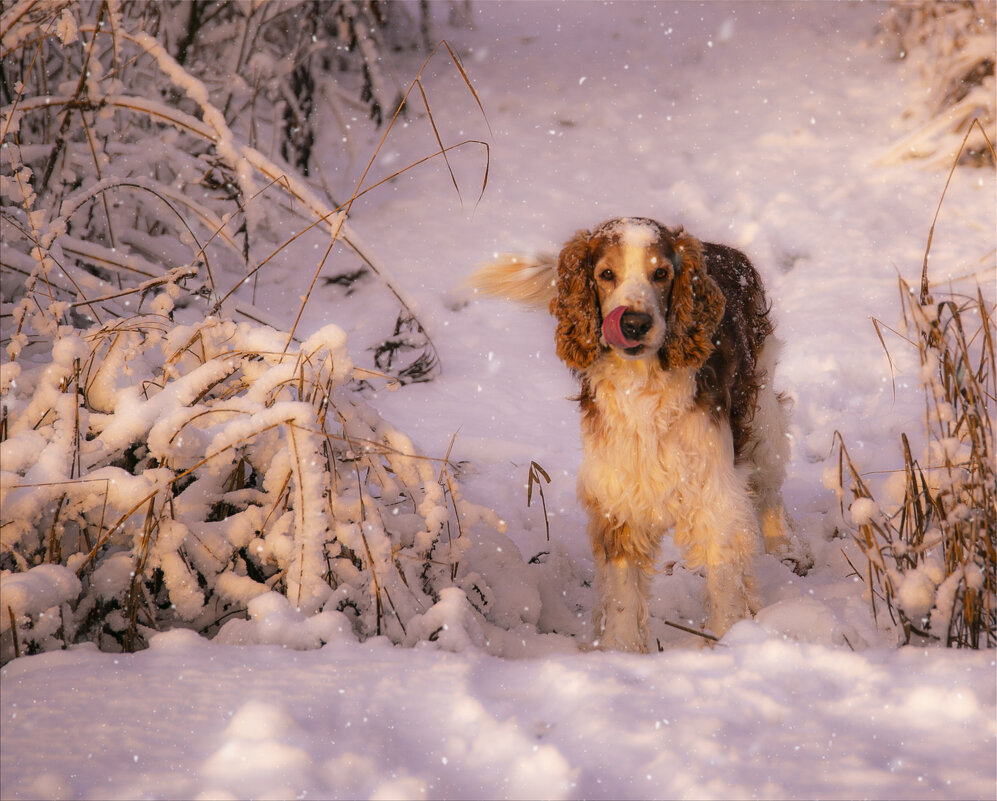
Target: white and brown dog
{"x": 681, "y": 427}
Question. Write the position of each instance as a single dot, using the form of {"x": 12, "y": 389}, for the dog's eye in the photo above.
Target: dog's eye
{"x": 661, "y": 274}
{"x": 607, "y": 275}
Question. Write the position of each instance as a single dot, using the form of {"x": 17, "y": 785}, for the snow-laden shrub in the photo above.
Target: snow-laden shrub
{"x": 119, "y": 162}
{"x": 951, "y": 45}
{"x": 931, "y": 544}
{"x": 166, "y": 457}
{"x": 181, "y": 471}
{"x": 931, "y": 547}
{"x": 281, "y": 62}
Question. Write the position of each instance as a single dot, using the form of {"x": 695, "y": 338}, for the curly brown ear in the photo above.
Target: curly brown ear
{"x": 696, "y": 309}
{"x": 576, "y": 305}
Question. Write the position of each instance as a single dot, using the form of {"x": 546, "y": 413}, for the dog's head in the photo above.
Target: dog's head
{"x": 638, "y": 289}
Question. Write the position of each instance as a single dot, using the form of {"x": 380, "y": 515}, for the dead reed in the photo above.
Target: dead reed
{"x": 930, "y": 561}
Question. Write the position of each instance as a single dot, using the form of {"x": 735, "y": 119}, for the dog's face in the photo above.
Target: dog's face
{"x": 633, "y": 271}
{"x": 634, "y": 288}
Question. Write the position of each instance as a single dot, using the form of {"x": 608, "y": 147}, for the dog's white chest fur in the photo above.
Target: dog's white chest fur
{"x": 647, "y": 447}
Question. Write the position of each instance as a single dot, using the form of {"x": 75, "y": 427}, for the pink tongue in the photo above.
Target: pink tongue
{"x": 612, "y": 332}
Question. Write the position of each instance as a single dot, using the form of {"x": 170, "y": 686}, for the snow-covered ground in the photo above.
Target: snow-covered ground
{"x": 761, "y": 717}
{"x": 759, "y": 125}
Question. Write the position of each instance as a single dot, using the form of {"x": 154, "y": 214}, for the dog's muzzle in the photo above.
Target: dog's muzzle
{"x": 625, "y": 329}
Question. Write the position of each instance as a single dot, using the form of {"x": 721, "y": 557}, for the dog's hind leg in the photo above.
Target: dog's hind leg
{"x": 768, "y": 452}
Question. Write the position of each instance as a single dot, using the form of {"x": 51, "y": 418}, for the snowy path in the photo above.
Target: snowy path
{"x": 753, "y": 124}
{"x": 760, "y": 718}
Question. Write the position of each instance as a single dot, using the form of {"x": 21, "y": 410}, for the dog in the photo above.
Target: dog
{"x": 672, "y": 342}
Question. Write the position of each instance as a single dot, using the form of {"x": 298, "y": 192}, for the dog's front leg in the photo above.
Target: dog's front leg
{"x": 623, "y": 580}
{"x": 730, "y": 579}
{"x": 721, "y": 534}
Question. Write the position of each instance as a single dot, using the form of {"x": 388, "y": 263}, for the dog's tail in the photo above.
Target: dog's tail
{"x": 530, "y": 280}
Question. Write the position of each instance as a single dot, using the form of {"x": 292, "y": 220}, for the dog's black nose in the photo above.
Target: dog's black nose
{"x": 635, "y": 324}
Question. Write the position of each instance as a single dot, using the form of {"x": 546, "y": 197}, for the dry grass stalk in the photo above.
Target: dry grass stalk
{"x": 534, "y": 476}
{"x": 933, "y": 560}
